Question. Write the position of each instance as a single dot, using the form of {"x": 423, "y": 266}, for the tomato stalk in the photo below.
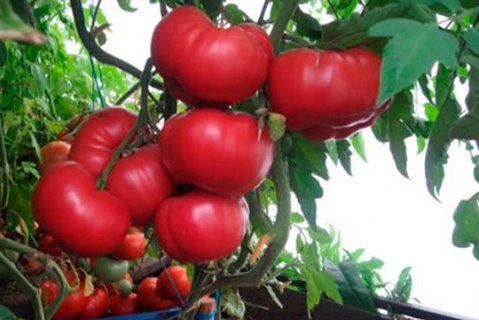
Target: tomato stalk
{"x": 287, "y": 10}
{"x": 263, "y": 12}
{"x": 31, "y": 290}
{"x": 4, "y": 185}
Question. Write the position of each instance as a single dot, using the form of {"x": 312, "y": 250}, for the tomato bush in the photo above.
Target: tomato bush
{"x": 83, "y": 220}
{"x": 200, "y": 226}
{"x": 149, "y": 299}
{"x": 194, "y": 141}
{"x": 142, "y": 182}
{"x": 206, "y": 66}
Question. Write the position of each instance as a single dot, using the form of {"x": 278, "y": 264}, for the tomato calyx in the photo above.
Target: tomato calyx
{"x": 274, "y": 121}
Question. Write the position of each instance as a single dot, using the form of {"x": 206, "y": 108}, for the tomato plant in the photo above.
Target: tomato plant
{"x": 132, "y": 247}
{"x": 218, "y": 223}
{"x": 97, "y": 304}
{"x": 142, "y": 182}
{"x": 149, "y": 299}
{"x": 123, "y": 304}
{"x": 192, "y": 142}
{"x": 173, "y": 284}
{"x": 80, "y": 218}
{"x": 207, "y": 66}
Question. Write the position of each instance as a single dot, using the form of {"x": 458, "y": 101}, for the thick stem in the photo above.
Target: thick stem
{"x": 287, "y": 10}
{"x": 96, "y": 51}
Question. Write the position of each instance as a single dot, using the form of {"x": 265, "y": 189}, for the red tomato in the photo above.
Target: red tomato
{"x": 223, "y": 152}
{"x": 48, "y": 245}
{"x": 124, "y": 305}
{"x": 99, "y": 136}
{"x": 148, "y": 297}
{"x": 53, "y": 152}
{"x": 142, "y": 182}
{"x": 97, "y": 304}
{"x": 330, "y": 88}
{"x": 83, "y": 220}
{"x": 72, "y": 305}
{"x": 204, "y": 65}
{"x": 132, "y": 247}
{"x": 260, "y": 35}
{"x": 173, "y": 283}
{"x": 200, "y": 226}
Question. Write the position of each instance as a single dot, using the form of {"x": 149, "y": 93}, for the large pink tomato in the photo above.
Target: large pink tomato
{"x": 207, "y": 66}
{"x": 99, "y": 136}
{"x": 142, "y": 182}
{"x": 326, "y": 88}
{"x": 83, "y": 220}
{"x": 200, "y": 226}
{"x": 220, "y": 151}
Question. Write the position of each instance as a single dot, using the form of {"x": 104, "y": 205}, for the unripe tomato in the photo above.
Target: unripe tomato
{"x": 109, "y": 269}
{"x": 132, "y": 247}
{"x": 53, "y": 152}
{"x": 173, "y": 283}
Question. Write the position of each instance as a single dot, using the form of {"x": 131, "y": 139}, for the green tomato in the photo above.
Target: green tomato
{"x": 110, "y": 269}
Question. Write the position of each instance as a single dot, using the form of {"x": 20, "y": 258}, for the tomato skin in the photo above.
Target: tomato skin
{"x": 48, "y": 245}
{"x": 173, "y": 283}
{"x": 73, "y": 304}
{"x": 261, "y": 36}
{"x": 206, "y": 66}
{"x": 218, "y": 223}
{"x": 109, "y": 269}
{"x": 124, "y": 305}
{"x": 97, "y": 304}
{"x": 99, "y": 136}
{"x": 148, "y": 297}
{"x": 132, "y": 247}
{"x": 53, "y": 152}
{"x": 330, "y": 88}
{"x": 142, "y": 182}
{"x": 68, "y": 206}
{"x": 192, "y": 142}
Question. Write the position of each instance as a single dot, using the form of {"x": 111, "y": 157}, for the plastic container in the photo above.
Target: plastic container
{"x": 155, "y": 315}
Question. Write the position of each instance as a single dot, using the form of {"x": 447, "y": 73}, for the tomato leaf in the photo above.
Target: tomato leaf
{"x": 125, "y": 5}
{"x": 403, "y": 287}
{"x": 307, "y": 25}
{"x": 6, "y": 314}
{"x": 472, "y": 39}
{"x": 358, "y": 145}
{"x": 233, "y": 14}
{"x": 352, "y": 289}
{"x": 344, "y": 155}
{"x": 212, "y": 7}
{"x": 233, "y": 304}
{"x": 312, "y": 153}
{"x": 403, "y": 66}
{"x": 466, "y": 218}
{"x": 3, "y": 53}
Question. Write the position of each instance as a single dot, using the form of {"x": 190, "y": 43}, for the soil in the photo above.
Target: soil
{"x": 15, "y": 299}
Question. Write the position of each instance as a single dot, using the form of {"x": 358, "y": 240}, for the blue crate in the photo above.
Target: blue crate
{"x": 155, "y": 315}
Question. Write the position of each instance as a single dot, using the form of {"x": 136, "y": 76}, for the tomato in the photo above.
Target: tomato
{"x": 200, "y": 226}
{"x": 132, "y": 247}
{"x": 142, "y": 182}
{"x": 52, "y": 152}
{"x": 83, "y": 220}
{"x": 124, "y": 305}
{"x": 173, "y": 283}
{"x": 48, "y": 245}
{"x": 97, "y": 304}
{"x": 99, "y": 136}
{"x": 113, "y": 288}
{"x": 220, "y": 151}
{"x": 261, "y": 36}
{"x": 148, "y": 297}
{"x": 109, "y": 269}
{"x": 330, "y": 88}
{"x": 206, "y": 66}
{"x": 74, "y": 302}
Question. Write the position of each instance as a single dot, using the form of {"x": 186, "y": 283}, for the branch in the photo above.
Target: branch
{"x": 263, "y": 12}
{"x": 287, "y": 10}
{"x": 4, "y": 184}
{"x": 96, "y": 51}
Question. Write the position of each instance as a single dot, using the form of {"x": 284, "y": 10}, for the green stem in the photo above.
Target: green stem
{"x": 287, "y": 10}
{"x": 263, "y": 12}
{"x": 4, "y": 185}
{"x": 95, "y": 15}
{"x": 127, "y": 94}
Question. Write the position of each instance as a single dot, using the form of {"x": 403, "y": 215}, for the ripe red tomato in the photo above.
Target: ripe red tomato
{"x": 148, "y": 297}
{"x": 48, "y": 245}
{"x": 207, "y": 66}
{"x": 74, "y": 302}
{"x": 200, "y": 226}
{"x": 260, "y": 35}
{"x": 173, "y": 283}
{"x": 132, "y": 247}
{"x": 330, "y": 88}
{"x": 99, "y": 136}
{"x": 142, "y": 182}
{"x": 97, "y": 304}
{"x": 124, "y": 305}
{"x": 223, "y": 152}
{"x": 53, "y": 152}
{"x": 83, "y": 220}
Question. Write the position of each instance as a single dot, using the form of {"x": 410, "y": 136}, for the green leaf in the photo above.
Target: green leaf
{"x": 423, "y": 84}
{"x": 125, "y": 5}
{"x": 358, "y": 145}
{"x": 311, "y": 154}
{"x": 3, "y": 54}
{"x": 307, "y": 25}
{"x": 402, "y": 66}
{"x": 352, "y": 289}
{"x": 472, "y": 39}
{"x": 467, "y": 127}
{"x": 328, "y": 285}
{"x": 403, "y": 287}
{"x": 232, "y": 303}
{"x": 297, "y": 218}
{"x": 6, "y": 314}
{"x": 344, "y": 154}
{"x": 466, "y": 217}
{"x": 212, "y": 7}
{"x": 233, "y": 14}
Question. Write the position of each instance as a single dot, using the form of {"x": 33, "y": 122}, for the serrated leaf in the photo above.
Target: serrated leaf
{"x": 403, "y": 287}
{"x": 472, "y": 39}
{"x": 307, "y": 25}
{"x": 212, "y": 7}
{"x": 438, "y": 145}
{"x": 466, "y": 217}
{"x": 125, "y": 5}
{"x": 311, "y": 154}
{"x": 352, "y": 289}
{"x": 358, "y": 145}
{"x": 402, "y": 66}
{"x": 328, "y": 285}
{"x": 344, "y": 155}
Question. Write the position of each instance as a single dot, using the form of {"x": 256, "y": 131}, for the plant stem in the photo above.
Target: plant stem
{"x": 4, "y": 185}
{"x": 263, "y": 12}
{"x": 127, "y": 94}
{"x": 287, "y": 10}
{"x": 94, "y": 16}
